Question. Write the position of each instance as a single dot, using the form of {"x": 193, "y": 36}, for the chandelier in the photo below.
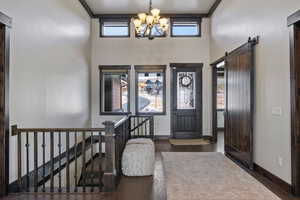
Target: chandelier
{"x": 150, "y": 24}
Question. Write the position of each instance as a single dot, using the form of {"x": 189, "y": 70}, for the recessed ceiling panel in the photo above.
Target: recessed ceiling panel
{"x": 135, "y": 6}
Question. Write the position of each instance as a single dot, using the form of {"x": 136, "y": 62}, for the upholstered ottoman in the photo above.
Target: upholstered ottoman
{"x": 138, "y": 158}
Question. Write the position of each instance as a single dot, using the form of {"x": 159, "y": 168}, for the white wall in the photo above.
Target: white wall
{"x": 233, "y": 22}
{"x": 161, "y": 51}
{"x": 50, "y": 55}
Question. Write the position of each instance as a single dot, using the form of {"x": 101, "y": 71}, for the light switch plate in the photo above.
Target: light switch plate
{"x": 276, "y": 111}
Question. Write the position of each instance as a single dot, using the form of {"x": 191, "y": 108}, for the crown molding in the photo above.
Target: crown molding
{"x": 201, "y": 15}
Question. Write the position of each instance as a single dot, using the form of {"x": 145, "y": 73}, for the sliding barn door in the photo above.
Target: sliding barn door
{"x": 239, "y": 100}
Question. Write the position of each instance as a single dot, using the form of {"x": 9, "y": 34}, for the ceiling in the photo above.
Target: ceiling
{"x": 135, "y": 6}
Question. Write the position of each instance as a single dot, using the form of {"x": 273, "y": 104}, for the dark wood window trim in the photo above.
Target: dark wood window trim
{"x": 115, "y": 19}
{"x": 5, "y": 25}
{"x": 186, "y": 19}
{"x": 150, "y": 68}
{"x": 127, "y": 69}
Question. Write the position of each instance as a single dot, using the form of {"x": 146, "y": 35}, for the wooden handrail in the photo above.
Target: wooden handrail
{"x": 16, "y": 130}
{"x": 120, "y": 122}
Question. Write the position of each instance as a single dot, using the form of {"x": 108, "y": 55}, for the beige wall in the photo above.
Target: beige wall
{"x": 50, "y": 48}
{"x": 233, "y": 22}
{"x": 161, "y": 51}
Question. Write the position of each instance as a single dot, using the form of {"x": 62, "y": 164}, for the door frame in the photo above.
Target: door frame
{"x": 214, "y": 99}
{"x": 186, "y": 65}
{"x": 4, "y": 138}
{"x": 293, "y": 23}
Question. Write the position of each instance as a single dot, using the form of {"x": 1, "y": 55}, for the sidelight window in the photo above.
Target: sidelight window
{"x": 150, "y": 90}
{"x": 114, "y": 90}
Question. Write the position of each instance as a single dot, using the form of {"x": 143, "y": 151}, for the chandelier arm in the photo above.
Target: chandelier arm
{"x": 150, "y": 6}
{"x": 159, "y": 30}
{"x": 150, "y": 32}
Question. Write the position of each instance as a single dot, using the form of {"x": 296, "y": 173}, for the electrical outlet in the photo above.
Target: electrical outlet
{"x": 280, "y": 161}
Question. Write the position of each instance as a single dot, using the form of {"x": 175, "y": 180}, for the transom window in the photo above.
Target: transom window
{"x": 150, "y": 90}
{"x": 114, "y": 28}
{"x": 185, "y": 27}
{"x": 114, "y": 90}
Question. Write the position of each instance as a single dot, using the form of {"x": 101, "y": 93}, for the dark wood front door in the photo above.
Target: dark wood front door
{"x": 239, "y": 104}
{"x": 186, "y": 100}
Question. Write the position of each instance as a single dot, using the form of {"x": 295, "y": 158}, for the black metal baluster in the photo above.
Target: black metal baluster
{"x": 142, "y": 126}
{"x": 146, "y": 133}
{"x": 134, "y": 126}
{"x": 20, "y": 161}
{"x": 51, "y": 161}
{"x": 75, "y": 175}
{"x": 35, "y": 153}
{"x": 44, "y": 160}
{"x": 68, "y": 161}
{"x": 83, "y": 161}
{"x": 138, "y": 119}
{"x": 92, "y": 164}
{"x": 27, "y": 162}
{"x": 59, "y": 161}
{"x": 100, "y": 160}
{"x": 151, "y": 129}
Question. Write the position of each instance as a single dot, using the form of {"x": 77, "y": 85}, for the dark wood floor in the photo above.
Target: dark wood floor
{"x": 147, "y": 188}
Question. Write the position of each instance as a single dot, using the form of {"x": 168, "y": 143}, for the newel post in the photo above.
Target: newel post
{"x": 110, "y": 173}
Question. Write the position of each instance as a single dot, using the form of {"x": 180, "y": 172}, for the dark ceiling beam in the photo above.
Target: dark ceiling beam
{"x": 87, "y": 8}
{"x": 214, "y": 7}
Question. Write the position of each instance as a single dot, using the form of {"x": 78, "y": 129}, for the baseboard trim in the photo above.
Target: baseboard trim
{"x": 259, "y": 171}
{"x": 162, "y": 137}
{"x": 273, "y": 178}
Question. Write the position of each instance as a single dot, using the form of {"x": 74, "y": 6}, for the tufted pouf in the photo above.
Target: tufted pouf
{"x": 138, "y": 158}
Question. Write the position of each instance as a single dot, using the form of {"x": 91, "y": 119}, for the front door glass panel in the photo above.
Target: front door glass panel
{"x": 186, "y": 90}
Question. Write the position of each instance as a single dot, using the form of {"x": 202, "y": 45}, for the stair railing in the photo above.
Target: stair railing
{"x": 75, "y": 159}
{"x": 51, "y": 159}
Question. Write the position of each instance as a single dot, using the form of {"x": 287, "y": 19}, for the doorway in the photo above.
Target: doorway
{"x": 186, "y": 100}
{"x": 218, "y": 99}
{"x": 5, "y": 24}
{"x": 294, "y": 25}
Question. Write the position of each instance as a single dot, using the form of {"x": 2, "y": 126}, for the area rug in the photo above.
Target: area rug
{"x": 210, "y": 176}
{"x": 189, "y": 142}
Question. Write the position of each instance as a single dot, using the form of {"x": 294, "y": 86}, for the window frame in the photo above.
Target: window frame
{"x": 115, "y": 19}
{"x": 127, "y": 69}
{"x": 150, "y": 69}
{"x": 186, "y": 19}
